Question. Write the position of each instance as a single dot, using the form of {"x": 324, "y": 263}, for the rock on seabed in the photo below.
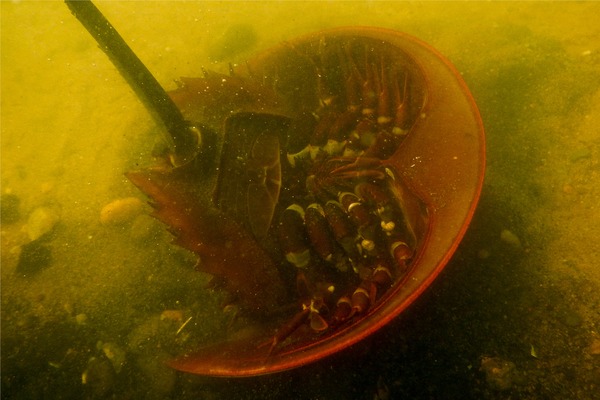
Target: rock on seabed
{"x": 121, "y": 211}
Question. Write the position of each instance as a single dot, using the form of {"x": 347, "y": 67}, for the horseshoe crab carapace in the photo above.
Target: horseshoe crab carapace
{"x": 349, "y": 161}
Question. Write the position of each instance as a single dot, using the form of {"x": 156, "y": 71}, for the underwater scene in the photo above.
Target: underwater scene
{"x": 335, "y": 200}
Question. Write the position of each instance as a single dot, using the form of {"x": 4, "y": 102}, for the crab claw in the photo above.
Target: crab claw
{"x": 286, "y": 330}
{"x": 362, "y": 167}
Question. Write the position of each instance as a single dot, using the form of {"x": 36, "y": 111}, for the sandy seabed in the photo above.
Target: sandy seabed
{"x": 514, "y": 315}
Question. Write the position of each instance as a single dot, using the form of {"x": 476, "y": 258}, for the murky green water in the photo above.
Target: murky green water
{"x": 514, "y": 315}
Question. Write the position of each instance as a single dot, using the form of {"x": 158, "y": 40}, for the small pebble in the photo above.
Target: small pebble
{"x": 121, "y": 211}
{"x": 173, "y": 315}
{"x": 9, "y": 208}
{"x": 46, "y": 187}
{"x": 483, "y": 254}
{"x": 237, "y": 39}
{"x": 41, "y": 221}
{"x": 568, "y": 188}
{"x": 99, "y": 377}
{"x": 594, "y": 348}
{"x": 33, "y": 258}
{"x": 115, "y": 354}
{"x": 160, "y": 378}
{"x": 581, "y": 154}
{"x": 510, "y": 238}
{"x": 382, "y": 392}
{"x": 500, "y": 374}
{"x": 81, "y": 319}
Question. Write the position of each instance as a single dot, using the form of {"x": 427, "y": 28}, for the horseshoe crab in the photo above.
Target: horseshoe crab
{"x": 324, "y": 184}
